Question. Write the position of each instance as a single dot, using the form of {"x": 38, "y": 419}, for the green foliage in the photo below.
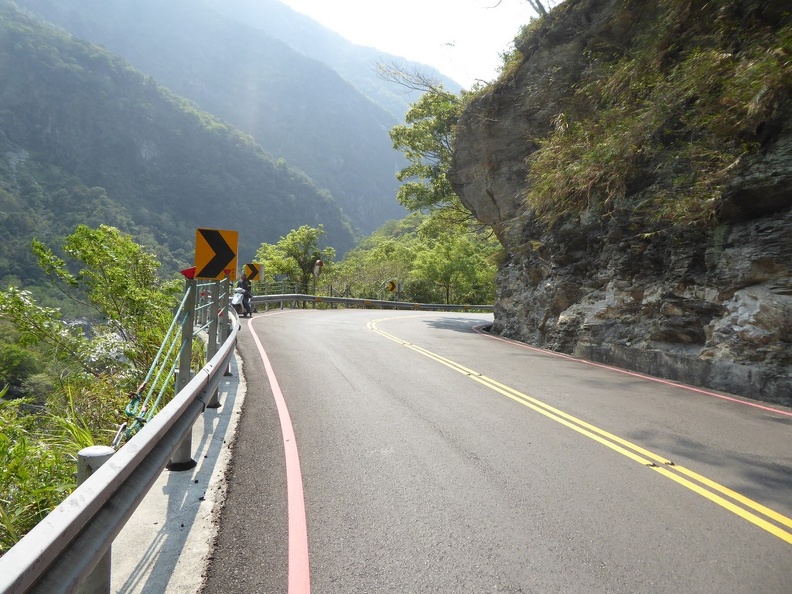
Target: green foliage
{"x": 457, "y": 265}
{"x": 385, "y": 255}
{"x": 295, "y": 255}
{"x": 511, "y": 61}
{"x": 688, "y": 101}
{"x": 16, "y": 363}
{"x": 119, "y": 279}
{"x": 79, "y": 380}
{"x": 37, "y": 324}
{"x": 427, "y": 142}
{"x": 433, "y": 263}
{"x": 37, "y": 461}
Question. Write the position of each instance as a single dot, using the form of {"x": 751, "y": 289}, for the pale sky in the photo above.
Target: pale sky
{"x": 463, "y": 39}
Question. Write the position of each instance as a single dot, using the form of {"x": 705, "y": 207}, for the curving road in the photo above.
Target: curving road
{"x": 403, "y": 452}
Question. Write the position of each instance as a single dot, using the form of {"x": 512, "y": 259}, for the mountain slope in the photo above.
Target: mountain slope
{"x": 355, "y": 63}
{"x": 295, "y": 107}
{"x": 85, "y": 138}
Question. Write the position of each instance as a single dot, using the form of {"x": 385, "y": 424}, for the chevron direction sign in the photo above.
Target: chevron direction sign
{"x": 252, "y": 271}
{"x": 216, "y": 253}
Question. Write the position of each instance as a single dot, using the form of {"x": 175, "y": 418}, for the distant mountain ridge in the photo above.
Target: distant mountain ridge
{"x": 357, "y": 64}
{"x": 84, "y": 138}
{"x": 295, "y": 107}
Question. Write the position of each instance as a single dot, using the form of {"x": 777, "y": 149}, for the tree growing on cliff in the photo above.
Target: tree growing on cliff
{"x": 426, "y": 139}
{"x": 537, "y": 5}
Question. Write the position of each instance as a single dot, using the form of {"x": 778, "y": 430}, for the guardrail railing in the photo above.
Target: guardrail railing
{"x": 373, "y": 303}
{"x": 59, "y": 553}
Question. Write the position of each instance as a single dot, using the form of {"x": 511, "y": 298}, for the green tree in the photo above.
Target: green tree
{"x": 432, "y": 262}
{"x": 17, "y": 364}
{"x": 295, "y": 255}
{"x": 365, "y": 270}
{"x": 450, "y": 252}
{"x": 454, "y": 264}
{"x": 79, "y": 378}
{"x": 117, "y": 279}
{"x": 427, "y": 141}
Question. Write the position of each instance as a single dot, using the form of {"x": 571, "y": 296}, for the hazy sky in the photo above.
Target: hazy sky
{"x": 463, "y": 39}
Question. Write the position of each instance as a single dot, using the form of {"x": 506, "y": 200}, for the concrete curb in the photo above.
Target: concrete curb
{"x": 167, "y": 543}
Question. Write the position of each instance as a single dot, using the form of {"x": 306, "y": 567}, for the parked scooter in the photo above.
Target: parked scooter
{"x": 238, "y": 302}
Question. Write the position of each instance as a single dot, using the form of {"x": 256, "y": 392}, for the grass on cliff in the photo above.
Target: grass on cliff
{"x": 677, "y": 111}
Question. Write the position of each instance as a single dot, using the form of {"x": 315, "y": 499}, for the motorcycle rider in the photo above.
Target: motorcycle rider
{"x": 244, "y": 283}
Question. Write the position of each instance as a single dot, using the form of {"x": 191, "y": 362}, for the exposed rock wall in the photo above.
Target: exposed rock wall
{"x": 709, "y": 306}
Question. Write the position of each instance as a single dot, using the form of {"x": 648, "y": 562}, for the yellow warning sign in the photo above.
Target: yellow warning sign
{"x": 216, "y": 253}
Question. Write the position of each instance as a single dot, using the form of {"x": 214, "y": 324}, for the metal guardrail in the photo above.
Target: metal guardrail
{"x": 372, "y": 303}
{"x": 60, "y": 552}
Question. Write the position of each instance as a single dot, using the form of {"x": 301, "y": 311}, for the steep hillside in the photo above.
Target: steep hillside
{"x": 295, "y": 107}
{"x": 354, "y": 63}
{"x": 636, "y": 164}
{"x": 86, "y": 138}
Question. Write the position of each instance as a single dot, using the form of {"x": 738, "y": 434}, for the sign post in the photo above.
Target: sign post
{"x": 316, "y": 270}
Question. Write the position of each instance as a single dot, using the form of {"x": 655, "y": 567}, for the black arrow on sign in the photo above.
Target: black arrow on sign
{"x": 223, "y": 254}
{"x": 253, "y": 271}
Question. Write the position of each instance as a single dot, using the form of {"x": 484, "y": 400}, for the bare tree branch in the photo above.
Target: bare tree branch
{"x": 415, "y": 80}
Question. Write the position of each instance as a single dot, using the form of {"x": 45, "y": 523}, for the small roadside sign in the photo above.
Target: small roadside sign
{"x": 252, "y": 271}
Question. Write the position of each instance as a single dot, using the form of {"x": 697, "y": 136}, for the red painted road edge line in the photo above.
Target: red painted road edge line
{"x": 299, "y": 570}
{"x": 478, "y": 330}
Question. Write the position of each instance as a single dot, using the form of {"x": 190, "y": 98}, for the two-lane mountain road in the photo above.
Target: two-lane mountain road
{"x": 405, "y": 452}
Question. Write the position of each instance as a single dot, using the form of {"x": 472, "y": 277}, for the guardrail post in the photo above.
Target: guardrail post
{"x": 182, "y": 455}
{"x": 88, "y": 461}
{"x": 201, "y": 307}
{"x": 185, "y": 354}
{"x": 211, "y": 347}
{"x": 225, "y": 292}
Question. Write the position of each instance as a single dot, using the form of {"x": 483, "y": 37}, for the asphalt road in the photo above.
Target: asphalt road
{"x": 435, "y": 458}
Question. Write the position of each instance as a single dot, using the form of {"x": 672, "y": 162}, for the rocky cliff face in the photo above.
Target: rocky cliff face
{"x": 707, "y": 304}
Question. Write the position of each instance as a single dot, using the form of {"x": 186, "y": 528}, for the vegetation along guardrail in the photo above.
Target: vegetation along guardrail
{"x": 69, "y": 549}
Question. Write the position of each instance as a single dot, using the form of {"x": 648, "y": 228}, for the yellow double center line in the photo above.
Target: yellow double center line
{"x": 756, "y": 513}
